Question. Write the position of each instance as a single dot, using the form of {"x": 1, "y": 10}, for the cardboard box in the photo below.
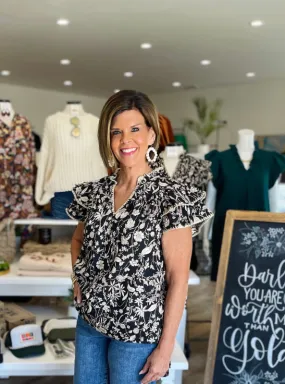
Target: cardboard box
{"x": 15, "y": 315}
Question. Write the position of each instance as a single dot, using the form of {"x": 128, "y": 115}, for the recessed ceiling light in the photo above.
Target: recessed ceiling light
{"x": 65, "y": 62}
{"x": 256, "y": 23}
{"x": 176, "y": 84}
{"x": 251, "y": 74}
{"x": 62, "y": 22}
{"x": 205, "y": 62}
{"x": 146, "y": 46}
{"x": 116, "y": 90}
{"x": 5, "y": 73}
{"x": 67, "y": 83}
{"x": 128, "y": 74}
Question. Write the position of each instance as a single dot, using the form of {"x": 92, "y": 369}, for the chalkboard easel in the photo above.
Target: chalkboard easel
{"x": 247, "y": 340}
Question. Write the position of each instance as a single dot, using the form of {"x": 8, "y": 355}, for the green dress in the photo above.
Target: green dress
{"x": 240, "y": 189}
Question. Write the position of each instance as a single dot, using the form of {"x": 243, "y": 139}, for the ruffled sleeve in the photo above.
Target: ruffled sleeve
{"x": 184, "y": 207}
{"x": 83, "y": 197}
{"x": 214, "y": 158}
{"x": 277, "y": 167}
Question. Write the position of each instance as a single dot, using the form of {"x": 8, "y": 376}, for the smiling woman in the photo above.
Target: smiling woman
{"x": 131, "y": 251}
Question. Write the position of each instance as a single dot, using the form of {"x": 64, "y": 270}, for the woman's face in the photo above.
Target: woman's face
{"x": 130, "y": 138}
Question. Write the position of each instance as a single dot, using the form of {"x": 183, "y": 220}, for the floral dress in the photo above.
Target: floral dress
{"x": 17, "y": 169}
{"x": 121, "y": 268}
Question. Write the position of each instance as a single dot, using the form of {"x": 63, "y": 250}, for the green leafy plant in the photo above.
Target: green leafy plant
{"x": 209, "y": 119}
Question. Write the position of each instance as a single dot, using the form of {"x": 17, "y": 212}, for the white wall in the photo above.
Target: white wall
{"x": 38, "y": 104}
{"x": 257, "y": 106}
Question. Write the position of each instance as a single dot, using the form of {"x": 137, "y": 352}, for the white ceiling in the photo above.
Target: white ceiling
{"x": 104, "y": 36}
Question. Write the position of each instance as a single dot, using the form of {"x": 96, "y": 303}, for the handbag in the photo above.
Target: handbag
{"x": 7, "y": 240}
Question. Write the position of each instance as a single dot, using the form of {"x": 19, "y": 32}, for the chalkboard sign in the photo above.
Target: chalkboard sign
{"x": 247, "y": 342}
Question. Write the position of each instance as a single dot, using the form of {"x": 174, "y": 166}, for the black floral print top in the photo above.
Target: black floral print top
{"x": 190, "y": 171}
{"x": 121, "y": 269}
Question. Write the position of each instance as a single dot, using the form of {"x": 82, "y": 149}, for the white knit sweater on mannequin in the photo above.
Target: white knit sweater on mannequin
{"x": 66, "y": 160}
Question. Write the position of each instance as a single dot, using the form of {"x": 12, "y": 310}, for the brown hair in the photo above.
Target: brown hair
{"x": 118, "y": 103}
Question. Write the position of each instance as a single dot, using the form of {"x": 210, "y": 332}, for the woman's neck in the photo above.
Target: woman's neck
{"x": 74, "y": 109}
{"x": 128, "y": 176}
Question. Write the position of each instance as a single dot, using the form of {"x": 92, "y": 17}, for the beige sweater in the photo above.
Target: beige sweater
{"x": 65, "y": 160}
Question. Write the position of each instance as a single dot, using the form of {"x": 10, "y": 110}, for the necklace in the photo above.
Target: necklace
{"x": 74, "y": 121}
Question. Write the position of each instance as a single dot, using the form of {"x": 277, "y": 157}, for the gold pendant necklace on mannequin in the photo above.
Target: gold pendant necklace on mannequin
{"x": 75, "y": 132}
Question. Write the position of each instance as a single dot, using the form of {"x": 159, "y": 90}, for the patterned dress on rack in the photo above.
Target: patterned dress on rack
{"x": 17, "y": 169}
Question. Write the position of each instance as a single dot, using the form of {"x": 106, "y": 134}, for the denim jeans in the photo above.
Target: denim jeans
{"x": 59, "y": 203}
{"x": 102, "y": 360}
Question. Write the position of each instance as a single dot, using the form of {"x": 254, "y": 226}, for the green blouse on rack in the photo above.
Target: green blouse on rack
{"x": 239, "y": 188}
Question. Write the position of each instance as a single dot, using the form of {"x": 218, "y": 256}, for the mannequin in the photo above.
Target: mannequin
{"x": 6, "y": 112}
{"x": 69, "y": 156}
{"x": 74, "y": 108}
{"x": 186, "y": 169}
{"x": 17, "y": 164}
{"x": 171, "y": 157}
{"x": 242, "y": 175}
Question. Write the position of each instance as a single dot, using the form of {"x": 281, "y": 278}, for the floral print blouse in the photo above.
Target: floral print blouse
{"x": 17, "y": 169}
{"x": 190, "y": 171}
{"x": 121, "y": 269}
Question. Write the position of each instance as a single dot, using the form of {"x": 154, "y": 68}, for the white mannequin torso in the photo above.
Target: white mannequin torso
{"x": 74, "y": 109}
{"x": 6, "y": 112}
{"x": 171, "y": 157}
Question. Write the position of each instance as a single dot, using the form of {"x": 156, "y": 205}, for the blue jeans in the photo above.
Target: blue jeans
{"x": 59, "y": 203}
{"x": 102, "y": 360}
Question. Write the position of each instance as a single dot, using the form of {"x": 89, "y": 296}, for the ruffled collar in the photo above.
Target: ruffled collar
{"x": 158, "y": 171}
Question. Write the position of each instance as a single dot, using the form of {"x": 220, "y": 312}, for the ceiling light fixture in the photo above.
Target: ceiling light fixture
{"x": 116, "y": 90}
{"x": 250, "y": 74}
{"x": 256, "y": 23}
{"x": 62, "y": 22}
{"x": 67, "y": 83}
{"x": 128, "y": 74}
{"x": 205, "y": 62}
{"x": 5, "y": 73}
{"x": 146, "y": 46}
{"x": 176, "y": 84}
{"x": 65, "y": 62}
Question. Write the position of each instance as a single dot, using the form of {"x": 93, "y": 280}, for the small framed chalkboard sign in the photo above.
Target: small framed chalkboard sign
{"x": 247, "y": 341}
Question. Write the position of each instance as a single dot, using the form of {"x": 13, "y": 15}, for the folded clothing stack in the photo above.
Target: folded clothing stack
{"x": 59, "y": 246}
{"x": 37, "y": 264}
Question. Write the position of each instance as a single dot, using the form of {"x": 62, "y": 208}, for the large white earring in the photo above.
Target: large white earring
{"x": 111, "y": 162}
{"x": 149, "y": 151}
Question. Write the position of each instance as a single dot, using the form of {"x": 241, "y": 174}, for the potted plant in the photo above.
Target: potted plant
{"x": 72, "y": 312}
{"x": 209, "y": 121}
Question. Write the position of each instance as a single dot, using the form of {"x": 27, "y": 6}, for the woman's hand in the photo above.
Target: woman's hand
{"x": 156, "y": 366}
{"x": 77, "y": 293}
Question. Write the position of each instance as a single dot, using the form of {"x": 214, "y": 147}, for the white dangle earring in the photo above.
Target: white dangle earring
{"x": 149, "y": 151}
{"x": 111, "y": 162}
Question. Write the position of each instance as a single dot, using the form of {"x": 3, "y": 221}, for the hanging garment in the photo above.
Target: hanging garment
{"x": 240, "y": 189}
{"x": 59, "y": 203}
{"x": 17, "y": 169}
{"x": 166, "y": 132}
{"x": 193, "y": 173}
{"x": 69, "y": 155}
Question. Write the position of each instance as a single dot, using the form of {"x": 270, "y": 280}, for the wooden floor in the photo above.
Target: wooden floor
{"x": 198, "y": 329}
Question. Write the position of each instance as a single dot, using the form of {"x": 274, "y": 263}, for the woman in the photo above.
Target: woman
{"x": 130, "y": 252}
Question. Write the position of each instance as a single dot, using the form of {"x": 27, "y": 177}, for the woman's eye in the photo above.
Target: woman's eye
{"x": 135, "y": 129}
{"x": 114, "y": 133}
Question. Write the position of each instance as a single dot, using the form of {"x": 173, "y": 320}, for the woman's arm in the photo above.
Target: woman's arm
{"x": 177, "y": 250}
{"x": 76, "y": 244}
